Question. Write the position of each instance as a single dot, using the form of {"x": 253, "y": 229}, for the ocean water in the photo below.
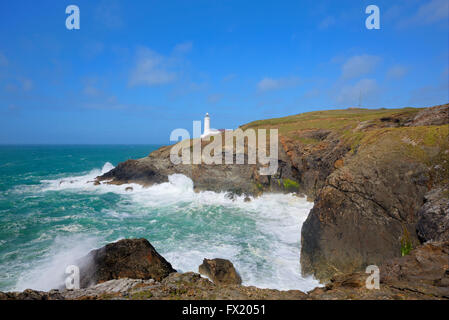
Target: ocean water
{"x": 51, "y": 214}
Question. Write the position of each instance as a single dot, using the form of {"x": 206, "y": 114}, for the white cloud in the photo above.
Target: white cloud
{"x": 364, "y": 92}
{"x": 397, "y": 72}
{"x": 27, "y": 84}
{"x": 20, "y": 84}
{"x": 267, "y": 84}
{"x": 428, "y": 13}
{"x": 184, "y": 47}
{"x": 214, "y": 98}
{"x": 151, "y": 69}
{"x": 229, "y": 77}
{"x": 327, "y": 22}
{"x": 109, "y": 14}
{"x": 91, "y": 91}
{"x": 312, "y": 93}
{"x": 93, "y": 49}
{"x": 357, "y": 66}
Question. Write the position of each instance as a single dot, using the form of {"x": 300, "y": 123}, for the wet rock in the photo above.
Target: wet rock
{"x": 128, "y": 258}
{"x": 220, "y": 271}
{"x": 234, "y": 179}
{"x": 129, "y": 189}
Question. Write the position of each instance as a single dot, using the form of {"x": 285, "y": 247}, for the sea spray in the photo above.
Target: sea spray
{"x": 261, "y": 237}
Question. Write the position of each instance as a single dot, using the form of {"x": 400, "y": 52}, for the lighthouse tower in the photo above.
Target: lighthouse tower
{"x": 207, "y": 130}
{"x": 206, "y": 123}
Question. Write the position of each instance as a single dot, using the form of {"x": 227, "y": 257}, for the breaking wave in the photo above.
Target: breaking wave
{"x": 261, "y": 237}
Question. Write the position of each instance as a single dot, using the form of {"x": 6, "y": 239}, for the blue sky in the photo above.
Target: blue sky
{"x": 136, "y": 70}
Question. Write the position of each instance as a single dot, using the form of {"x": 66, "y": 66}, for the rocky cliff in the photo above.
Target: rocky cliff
{"x": 373, "y": 175}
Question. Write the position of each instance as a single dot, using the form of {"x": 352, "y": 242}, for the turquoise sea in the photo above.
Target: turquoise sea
{"x": 51, "y": 214}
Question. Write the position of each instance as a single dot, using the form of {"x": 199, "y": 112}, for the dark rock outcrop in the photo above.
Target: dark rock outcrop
{"x": 220, "y": 271}
{"x": 361, "y": 214}
{"x": 233, "y": 178}
{"x": 433, "y": 223}
{"x": 134, "y": 171}
{"x": 127, "y": 258}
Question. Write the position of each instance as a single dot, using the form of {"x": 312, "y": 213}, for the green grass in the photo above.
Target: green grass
{"x": 339, "y": 120}
{"x": 290, "y": 185}
{"x": 142, "y": 295}
{"x": 406, "y": 244}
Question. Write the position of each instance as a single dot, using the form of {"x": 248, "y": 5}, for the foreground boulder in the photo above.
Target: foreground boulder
{"x": 127, "y": 258}
{"x": 220, "y": 271}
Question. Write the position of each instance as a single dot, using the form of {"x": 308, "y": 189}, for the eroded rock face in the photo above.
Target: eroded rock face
{"x": 423, "y": 275}
{"x": 360, "y": 215}
{"x": 220, "y": 271}
{"x": 424, "y": 270}
{"x": 437, "y": 115}
{"x": 433, "y": 223}
{"x": 314, "y": 164}
{"x": 127, "y": 258}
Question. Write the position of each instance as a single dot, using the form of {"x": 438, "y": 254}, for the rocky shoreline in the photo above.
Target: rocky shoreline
{"x": 379, "y": 181}
{"x": 369, "y": 173}
{"x": 424, "y": 274}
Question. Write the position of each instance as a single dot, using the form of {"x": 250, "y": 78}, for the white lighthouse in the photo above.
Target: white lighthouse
{"x": 206, "y": 123}
{"x": 207, "y": 130}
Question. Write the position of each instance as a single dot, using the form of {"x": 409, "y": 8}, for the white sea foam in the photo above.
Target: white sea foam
{"x": 266, "y": 253}
{"x": 49, "y": 272}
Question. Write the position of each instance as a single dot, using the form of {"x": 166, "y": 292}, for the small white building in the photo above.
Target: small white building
{"x": 207, "y": 130}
